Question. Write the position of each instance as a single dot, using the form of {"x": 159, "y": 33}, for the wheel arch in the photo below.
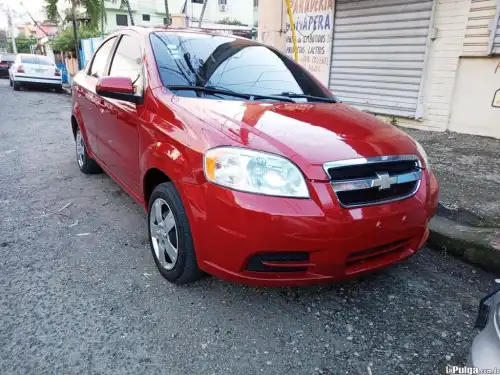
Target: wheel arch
{"x": 74, "y": 125}
{"x": 152, "y": 178}
{"x": 165, "y": 162}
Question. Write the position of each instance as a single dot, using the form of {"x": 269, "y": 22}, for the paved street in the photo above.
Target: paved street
{"x": 80, "y": 294}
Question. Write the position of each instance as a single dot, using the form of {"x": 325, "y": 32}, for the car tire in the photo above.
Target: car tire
{"x": 16, "y": 86}
{"x": 85, "y": 163}
{"x": 165, "y": 239}
{"x": 59, "y": 89}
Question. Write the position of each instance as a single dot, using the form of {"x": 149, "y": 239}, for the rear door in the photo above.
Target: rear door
{"x": 89, "y": 104}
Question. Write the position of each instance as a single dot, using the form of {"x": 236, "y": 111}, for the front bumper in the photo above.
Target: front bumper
{"x": 231, "y": 229}
{"x": 485, "y": 351}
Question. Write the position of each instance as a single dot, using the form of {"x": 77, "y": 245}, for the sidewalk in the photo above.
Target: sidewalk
{"x": 67, "y": 88}
{"x": 467, "y": 223}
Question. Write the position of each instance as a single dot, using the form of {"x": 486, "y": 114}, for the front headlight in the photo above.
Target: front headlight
{"x": 254, "y": 172}
{"x": 423, "y": 154}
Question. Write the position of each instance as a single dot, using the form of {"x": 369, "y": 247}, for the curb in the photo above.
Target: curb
{"x": 476, "y": 245}
{"x": 67, "y": 90}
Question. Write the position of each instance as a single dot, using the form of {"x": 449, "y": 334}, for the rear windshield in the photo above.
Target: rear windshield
{"x": 228, "y": 63}
{"x": 34, "y": 59}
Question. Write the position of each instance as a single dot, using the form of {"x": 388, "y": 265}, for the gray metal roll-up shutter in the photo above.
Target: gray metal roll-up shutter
{"x": 378, "y": 53}
{"x": 495, "y": 47}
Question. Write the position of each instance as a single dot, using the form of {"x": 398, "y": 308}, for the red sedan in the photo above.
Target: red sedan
{"x": 248, "y": 167}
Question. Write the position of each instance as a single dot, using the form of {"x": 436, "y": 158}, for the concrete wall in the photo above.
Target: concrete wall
{"x": 271, "y": 23}
{"x": 477, "y": 81}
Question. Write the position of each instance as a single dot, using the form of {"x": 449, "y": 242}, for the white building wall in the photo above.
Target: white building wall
{"x": 477, "y": 81}
{"x": 241, "y": 10}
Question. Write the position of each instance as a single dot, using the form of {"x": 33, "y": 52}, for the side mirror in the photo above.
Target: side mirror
{"x": 120, "y": 88}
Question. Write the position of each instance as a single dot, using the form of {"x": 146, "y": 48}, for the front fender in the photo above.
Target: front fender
{"x": 171, "y": 159}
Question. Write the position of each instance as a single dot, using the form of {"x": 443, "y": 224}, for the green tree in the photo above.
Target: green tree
{"x": 22, "y": 44}
{"x": 66, "y": 41}
{"x": 93, "y": 10}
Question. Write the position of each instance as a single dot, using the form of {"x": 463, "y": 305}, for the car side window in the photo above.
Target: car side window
{"x": 127, "y": 62}
{"x": 100, "y": 58}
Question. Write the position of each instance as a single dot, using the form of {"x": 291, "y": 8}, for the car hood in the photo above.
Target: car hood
{"x": 308, "y": 134}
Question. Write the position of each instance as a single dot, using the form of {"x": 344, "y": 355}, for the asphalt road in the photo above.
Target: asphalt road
{"x": 80, "y": 294}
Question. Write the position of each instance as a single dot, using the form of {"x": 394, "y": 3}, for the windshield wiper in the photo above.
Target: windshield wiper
{"x": 213, "y": 90}
{"x": 311, "y": 97}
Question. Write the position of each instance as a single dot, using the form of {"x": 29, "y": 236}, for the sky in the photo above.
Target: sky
{"x": 19, "y": 13}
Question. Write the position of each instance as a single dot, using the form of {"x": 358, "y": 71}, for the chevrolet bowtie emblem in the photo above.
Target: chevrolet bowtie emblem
{"x": 383, "y": 181}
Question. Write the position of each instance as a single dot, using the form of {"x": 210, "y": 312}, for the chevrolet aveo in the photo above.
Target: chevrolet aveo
{"x": 248, "y": 167}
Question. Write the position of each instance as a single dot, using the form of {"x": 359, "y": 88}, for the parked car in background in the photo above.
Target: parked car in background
{"x": 248, "y": 167}
{"x": 485, "y": 351}
{"x": 6, "y": 61}
{"x": 35, "y": 71}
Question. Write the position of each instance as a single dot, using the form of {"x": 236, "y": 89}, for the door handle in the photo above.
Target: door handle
{"x": 102, "y": 105}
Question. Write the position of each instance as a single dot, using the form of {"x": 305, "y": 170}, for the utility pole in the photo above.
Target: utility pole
{"x": 102, "y": 19}
{"x": 168, "y": 21}
{"x": 75, "y": 33}
{"x": 202, "y": 12}
{"x": 11, "y": 27}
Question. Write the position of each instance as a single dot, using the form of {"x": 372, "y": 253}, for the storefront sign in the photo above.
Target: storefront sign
{"x": 314, "y": 30}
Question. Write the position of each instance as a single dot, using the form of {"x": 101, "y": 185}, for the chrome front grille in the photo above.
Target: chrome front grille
{"x": 368, "y": 181}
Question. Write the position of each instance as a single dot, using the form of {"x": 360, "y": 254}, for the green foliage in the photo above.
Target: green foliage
{"x": 66, "y": 42}
{"x": 22, "y": 44}
{"x": 93, "y": 11}
{"x": 228, "y": 21}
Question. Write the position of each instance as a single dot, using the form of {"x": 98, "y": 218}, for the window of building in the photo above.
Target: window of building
{"x": 146, "y": 17}
{"x": 222, "y": 2}
{"x": 197, "y": 1}
{"x": 121, "y": 20}
{"x": 100, "y": 59}
{"x": 127, "y": 61}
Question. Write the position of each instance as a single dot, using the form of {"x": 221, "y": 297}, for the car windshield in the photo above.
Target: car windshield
{"x": 226, "y": 63}
{"x": 34, "y": 59}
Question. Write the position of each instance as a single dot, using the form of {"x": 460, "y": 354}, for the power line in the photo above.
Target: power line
{"x": 36, "y": 23}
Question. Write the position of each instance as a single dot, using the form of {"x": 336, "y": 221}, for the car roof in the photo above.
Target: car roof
{"x": 145, "y": 30}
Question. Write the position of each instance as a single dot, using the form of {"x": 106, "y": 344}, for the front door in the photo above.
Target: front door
{"x": 87, "y": 99}
{"x": 119, "y": 133}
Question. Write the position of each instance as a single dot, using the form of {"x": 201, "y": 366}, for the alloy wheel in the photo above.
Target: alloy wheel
{"x": 163, "y": 232}
{"x": 80, "y": 148}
